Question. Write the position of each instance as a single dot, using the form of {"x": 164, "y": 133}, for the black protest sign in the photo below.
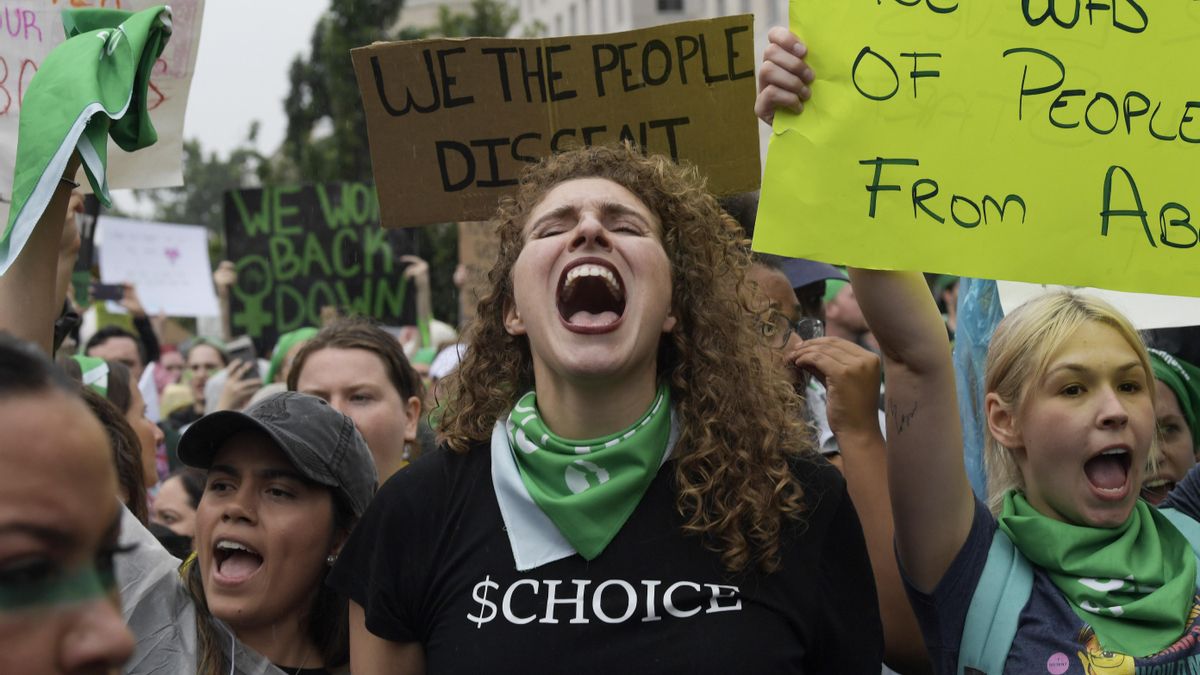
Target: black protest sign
{"x": 300, "y": 248}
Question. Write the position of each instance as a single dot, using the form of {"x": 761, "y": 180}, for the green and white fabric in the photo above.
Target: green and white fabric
{"x": 544, "y": 516}
{"x": 90, "y": 88}
{"x": 1133, "y": 583}
{"x": 1183, "y": 379}
{"x": 95, "y": 373}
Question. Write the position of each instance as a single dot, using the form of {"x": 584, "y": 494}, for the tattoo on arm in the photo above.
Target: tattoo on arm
{"x": 901, "y": 420}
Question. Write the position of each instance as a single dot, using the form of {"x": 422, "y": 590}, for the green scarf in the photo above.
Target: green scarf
{"x": 588, "y": 488}
{"x": 1134, "y": 583}
{"x": 89, "y": 89}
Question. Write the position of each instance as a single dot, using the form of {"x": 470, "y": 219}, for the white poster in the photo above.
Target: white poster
{"x": 167, "y": 264}
{"x": 1144, "y": 310}
{"x": 31, "y": 29}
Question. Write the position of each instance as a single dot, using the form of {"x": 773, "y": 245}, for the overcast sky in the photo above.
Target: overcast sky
{"x": 246, "y": 47}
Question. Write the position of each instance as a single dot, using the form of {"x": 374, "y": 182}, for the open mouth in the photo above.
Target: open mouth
{"x": 1108, "y": 472}
{"x": 235, "y": 562}
{"x": 591, "y": 296}
{"x": 1157, "y": 489}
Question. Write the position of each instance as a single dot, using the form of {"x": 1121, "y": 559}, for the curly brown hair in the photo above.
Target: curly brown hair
{"x": 739, "y": 420}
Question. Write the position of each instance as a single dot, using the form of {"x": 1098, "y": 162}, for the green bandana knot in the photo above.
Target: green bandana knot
{"x": 1134, "y": 584}
{"x": 588, "y": 488}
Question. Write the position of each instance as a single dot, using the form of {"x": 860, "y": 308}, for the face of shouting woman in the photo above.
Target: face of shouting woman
{"x": 592, "y": 285}
{"x": 1084, "y": 430}
{"x": 263, "y": 532}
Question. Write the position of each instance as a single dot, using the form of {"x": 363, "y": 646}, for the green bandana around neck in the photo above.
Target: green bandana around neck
{"x": 1134, "y": 584}
{"x": 588, "y": 488}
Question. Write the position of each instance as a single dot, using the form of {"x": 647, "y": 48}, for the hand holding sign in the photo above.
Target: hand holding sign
{"x": 784, "y": 77}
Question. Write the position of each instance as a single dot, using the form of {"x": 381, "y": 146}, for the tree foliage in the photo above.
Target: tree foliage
{"x": 487, "y": 18}
{"x": 326, "y": 132}
{"x": 206, "y": 179}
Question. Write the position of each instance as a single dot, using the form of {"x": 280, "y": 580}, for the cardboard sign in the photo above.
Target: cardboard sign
{"x": 1048, "y": 141}
{"x": 478, "y": 246}
{"x": 167, "y": 264}
{"x": 31, "y": 29}
{"x": 301, "y": 248}
{"x": 453, "y": 122}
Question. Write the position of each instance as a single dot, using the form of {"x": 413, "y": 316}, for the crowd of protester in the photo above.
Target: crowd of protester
{"x": 651, "y": 450}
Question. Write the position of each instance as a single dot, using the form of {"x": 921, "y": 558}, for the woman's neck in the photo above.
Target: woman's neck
{"x": 580, "y": 410}
{"x": 284, "y": 643}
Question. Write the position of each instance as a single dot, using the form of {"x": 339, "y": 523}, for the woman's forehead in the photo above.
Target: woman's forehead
{"x": 589, "y": 192}
{"x": 203, "y": 353}
{"x": 54, "y": 458}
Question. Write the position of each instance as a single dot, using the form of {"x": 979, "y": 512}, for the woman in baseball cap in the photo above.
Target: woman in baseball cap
{"x": 287, "y": 480}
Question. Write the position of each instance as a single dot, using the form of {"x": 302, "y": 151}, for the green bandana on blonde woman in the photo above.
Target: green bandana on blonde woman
{"x": 588, "y": 488}
{"x": 1134, "y": 584}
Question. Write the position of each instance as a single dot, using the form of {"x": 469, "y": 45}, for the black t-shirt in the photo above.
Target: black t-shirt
{"x": 431, "y": 562}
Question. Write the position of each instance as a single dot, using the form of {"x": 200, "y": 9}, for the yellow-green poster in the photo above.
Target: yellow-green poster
{"x": 1053, "y": 141}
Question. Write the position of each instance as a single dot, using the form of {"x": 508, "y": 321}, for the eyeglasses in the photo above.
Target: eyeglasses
{"x": 777, "y": 329}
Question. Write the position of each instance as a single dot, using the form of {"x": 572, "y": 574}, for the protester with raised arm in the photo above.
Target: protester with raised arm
{"x": 1064, "y": 568}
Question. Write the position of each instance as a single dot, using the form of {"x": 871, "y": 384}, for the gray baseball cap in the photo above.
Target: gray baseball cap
{"x": 321, "y": 442}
